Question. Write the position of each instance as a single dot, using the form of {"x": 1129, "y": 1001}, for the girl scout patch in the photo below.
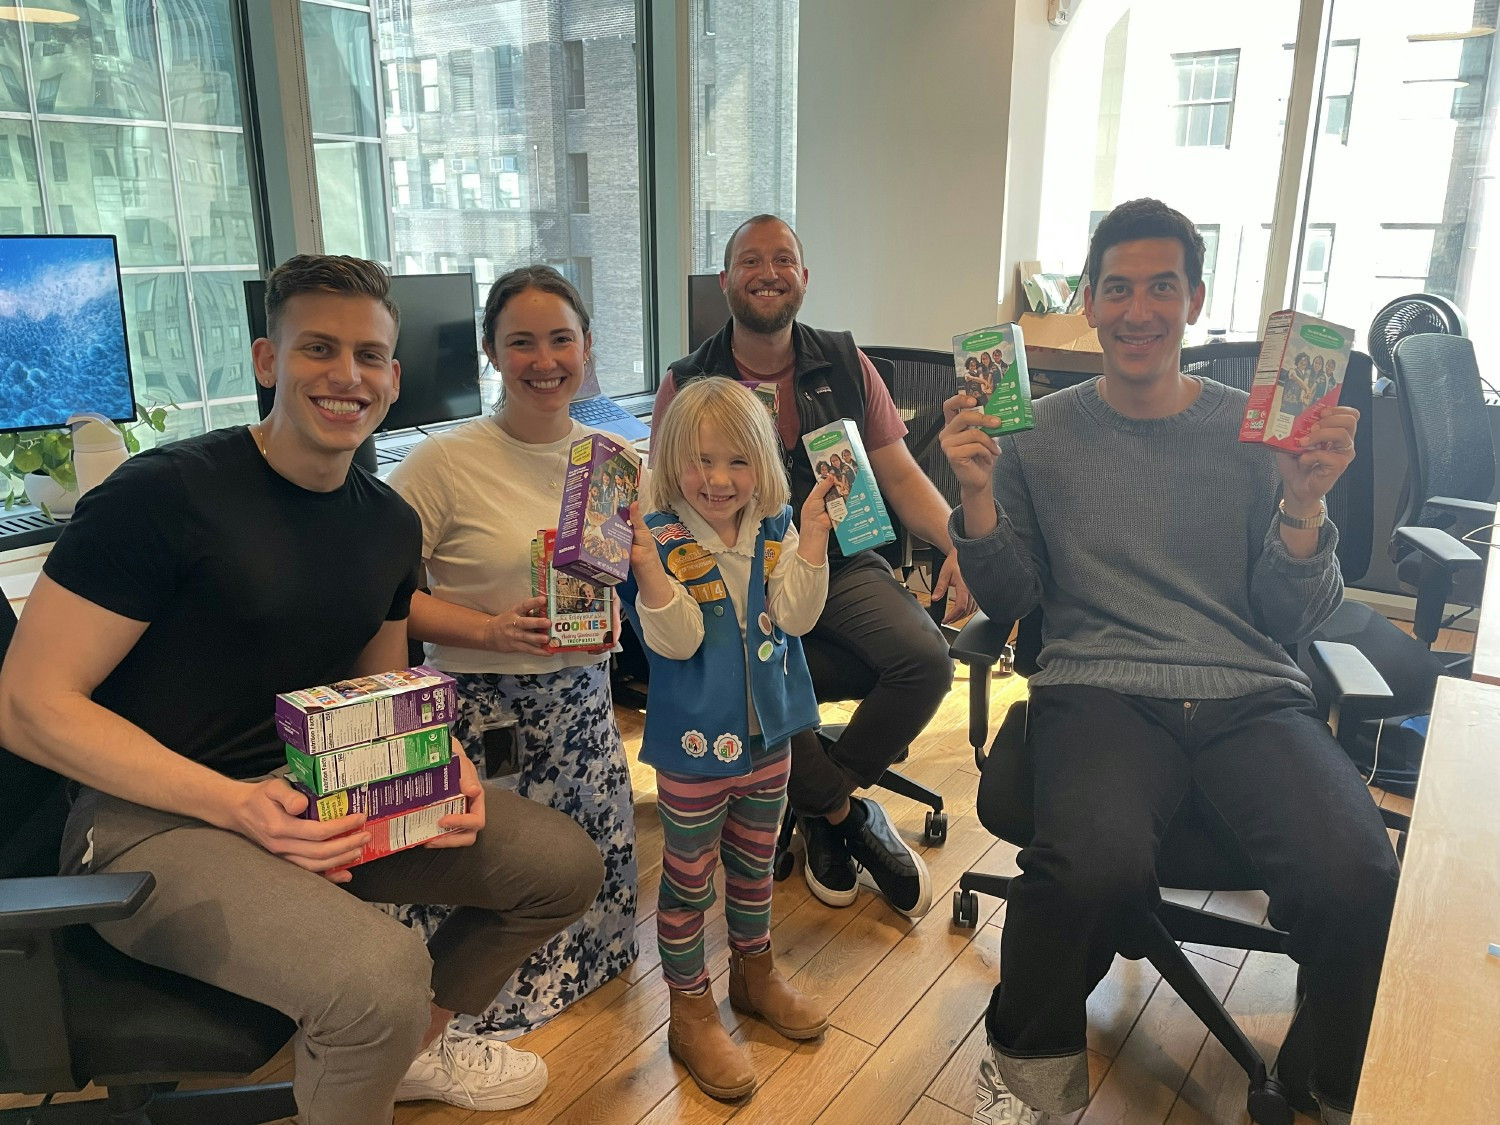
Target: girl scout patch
{"x": 689, "y": 561}
{"x": 695, "y": 743}
{"x": 728, "y": 747}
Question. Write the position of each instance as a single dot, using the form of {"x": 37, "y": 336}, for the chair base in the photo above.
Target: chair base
{"x": 156, "y": 1105}
{"x": 1270, "y": 1099}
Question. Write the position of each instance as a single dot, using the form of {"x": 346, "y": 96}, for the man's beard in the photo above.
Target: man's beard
{"x": 746, "y": 314}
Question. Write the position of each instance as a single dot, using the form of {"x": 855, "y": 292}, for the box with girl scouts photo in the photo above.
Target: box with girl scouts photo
{"x": 593, "y": 538}
{"x": 1301, "y": 366}
{"x": 991, "y": 365}
{"x": 581, "y": 614}
{"x": 854, "y": 503}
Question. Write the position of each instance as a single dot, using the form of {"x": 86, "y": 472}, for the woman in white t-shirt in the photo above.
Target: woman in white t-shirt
{"x": 483, "y": 491}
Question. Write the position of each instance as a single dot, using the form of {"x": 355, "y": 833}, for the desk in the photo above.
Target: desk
{"x": 1487, "y": 643}
{"x": 1432, "y": 1056}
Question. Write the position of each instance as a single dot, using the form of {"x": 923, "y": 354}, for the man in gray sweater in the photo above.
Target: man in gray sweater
{"x": 1172, "y": 563}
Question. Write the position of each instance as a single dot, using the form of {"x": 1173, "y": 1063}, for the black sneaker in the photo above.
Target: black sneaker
{"x": 877, "y": 847}
{"x": 829, "y": 871}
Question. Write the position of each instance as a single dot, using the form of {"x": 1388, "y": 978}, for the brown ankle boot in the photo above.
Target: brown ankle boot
{"x": 757, "y": 989}
{"x": 697, "y": 1039}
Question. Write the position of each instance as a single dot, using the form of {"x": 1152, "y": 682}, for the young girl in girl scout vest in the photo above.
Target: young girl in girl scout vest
{"x": 721, "y": 588}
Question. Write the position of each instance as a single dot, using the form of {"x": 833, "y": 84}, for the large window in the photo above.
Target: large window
{"x": 511, "y": 136}
{"x": 1205, "y": 98}
{"x": 743, "y": 69}
{"x": 136, "y": 112}
{"x": 1406, "y": 183}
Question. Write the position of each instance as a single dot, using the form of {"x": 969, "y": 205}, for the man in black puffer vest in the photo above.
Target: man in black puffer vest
{"x": 873, "y": 640}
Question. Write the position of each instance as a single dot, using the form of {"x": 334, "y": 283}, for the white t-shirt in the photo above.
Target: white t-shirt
{"x": 483, "y": 496}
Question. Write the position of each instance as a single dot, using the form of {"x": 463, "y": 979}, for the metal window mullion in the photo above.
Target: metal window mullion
{"x": 181, "y": 216}
{"x": 36, "y": 128}
{"x": 1294, "y": 182}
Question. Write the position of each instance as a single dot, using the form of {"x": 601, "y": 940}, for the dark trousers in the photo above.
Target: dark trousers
{"x": 1111, "y": 770}
{"x": 873, "y": 642}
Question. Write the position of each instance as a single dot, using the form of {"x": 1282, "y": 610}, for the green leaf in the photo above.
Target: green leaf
{"x": 7, "y": 444}
{"x": 27, "y": 460}
{"x": 132, "y": 443}
{"x": 158, "y": 419}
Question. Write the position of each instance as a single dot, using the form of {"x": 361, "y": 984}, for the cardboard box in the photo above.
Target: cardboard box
{"x": 1062, "y": 332}
{"x": 593, "y": 539}
{"x": 859, "y": 517}
{"x": 408, "y": 830}
{"x": 380, "y": 799}
{"x": 373, "y": 761}
{"x": 580, "y": 613}
{"x": 365, "y": 709}
{"x": 991, "y": 366}
{"x": 1301, "y": 366}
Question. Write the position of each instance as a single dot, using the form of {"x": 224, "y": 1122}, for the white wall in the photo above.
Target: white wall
{"x": 902, "y": 137}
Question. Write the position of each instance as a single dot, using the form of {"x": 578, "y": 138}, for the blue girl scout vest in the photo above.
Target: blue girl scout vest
{"x": 696, "y": 721}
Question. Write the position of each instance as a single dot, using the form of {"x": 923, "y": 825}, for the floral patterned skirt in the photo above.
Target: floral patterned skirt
{"x": 572, "y": 760}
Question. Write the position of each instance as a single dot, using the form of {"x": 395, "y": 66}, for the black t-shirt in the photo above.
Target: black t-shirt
{"x": 250, "y": 584}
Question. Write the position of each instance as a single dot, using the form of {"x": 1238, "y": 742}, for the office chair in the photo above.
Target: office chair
{"x": 1450, "y": 483}
{"x": 74, "y": 1010}
{"x": 1197, "y": 853}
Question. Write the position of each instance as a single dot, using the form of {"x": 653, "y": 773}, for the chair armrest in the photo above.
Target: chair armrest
{"x": 982, "y": 642}
{"x": 1350, "y": 671}
{"x": 1436, "y": 544}
{"x": 1484, "y": 508}
{"x": 69, "y": 900}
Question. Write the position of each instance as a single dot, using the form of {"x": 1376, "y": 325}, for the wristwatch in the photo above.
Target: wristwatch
{"x": 1302, "y": 523}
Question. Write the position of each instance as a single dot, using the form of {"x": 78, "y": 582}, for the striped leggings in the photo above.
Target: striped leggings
{"x": 702, "y": 818}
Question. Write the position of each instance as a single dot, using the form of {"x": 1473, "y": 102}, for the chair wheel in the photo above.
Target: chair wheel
{"x": 936, "y": 831}
{"x": 782, "y": 866}
{"x": 1267, "y": 1104}
{"x": 965, "y": 909}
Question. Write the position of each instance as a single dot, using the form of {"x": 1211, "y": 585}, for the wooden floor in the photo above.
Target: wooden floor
{"x": 906, "y": 998}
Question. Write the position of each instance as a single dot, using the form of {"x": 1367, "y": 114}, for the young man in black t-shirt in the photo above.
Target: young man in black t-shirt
{"x": 191, "y": 587}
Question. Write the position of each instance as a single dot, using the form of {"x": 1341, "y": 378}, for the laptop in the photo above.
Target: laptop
{"x": 593, "y": 407}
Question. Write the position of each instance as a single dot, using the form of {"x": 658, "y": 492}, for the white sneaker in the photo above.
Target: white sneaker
{"x": 996, "y": 1105}
{"x": 474, "y": 1072}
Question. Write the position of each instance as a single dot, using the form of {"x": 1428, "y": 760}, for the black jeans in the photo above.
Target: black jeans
{"x": 1111, "y": 771}
{"x": 873, "y": 642}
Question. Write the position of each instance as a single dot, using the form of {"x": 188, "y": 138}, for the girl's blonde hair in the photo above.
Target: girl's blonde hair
{"x": 745, "y": 423}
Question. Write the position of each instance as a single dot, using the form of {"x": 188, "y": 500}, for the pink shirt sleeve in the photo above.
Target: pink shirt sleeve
{"x": 883, "y": 425}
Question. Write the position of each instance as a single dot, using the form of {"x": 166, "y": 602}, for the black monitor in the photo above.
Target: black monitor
{"x": 438, "y": 349}
{"x": 707, "y": 308}
{"x": 62, "y": 331}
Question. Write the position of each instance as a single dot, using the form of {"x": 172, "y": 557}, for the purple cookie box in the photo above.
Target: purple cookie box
{"x": 572, "y": 553}
{"x": 368, "y": 708}
{"x": 391, "y": 797}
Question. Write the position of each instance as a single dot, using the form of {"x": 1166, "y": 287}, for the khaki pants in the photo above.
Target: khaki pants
{"x": 356, "y": 981}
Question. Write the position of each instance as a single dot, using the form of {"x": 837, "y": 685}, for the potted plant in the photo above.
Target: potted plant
{"x": 38, "y": 464}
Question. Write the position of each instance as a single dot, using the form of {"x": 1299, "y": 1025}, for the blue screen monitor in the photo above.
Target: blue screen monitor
{"x": 62, "y": 331}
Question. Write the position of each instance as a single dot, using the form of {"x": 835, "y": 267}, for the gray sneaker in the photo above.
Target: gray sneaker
{"x": 995, "y": 1104}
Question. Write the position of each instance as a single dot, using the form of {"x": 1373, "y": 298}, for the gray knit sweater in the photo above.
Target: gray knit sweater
{"x": 1153, "y": 548}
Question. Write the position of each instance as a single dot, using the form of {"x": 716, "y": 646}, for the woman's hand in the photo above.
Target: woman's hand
{"x": 522, "y": 628}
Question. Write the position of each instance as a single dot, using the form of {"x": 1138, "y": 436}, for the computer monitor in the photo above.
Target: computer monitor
{"x": 707, "y": 308}
{"x": 438, "y": 349}
{"x": 62, "y": 331}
